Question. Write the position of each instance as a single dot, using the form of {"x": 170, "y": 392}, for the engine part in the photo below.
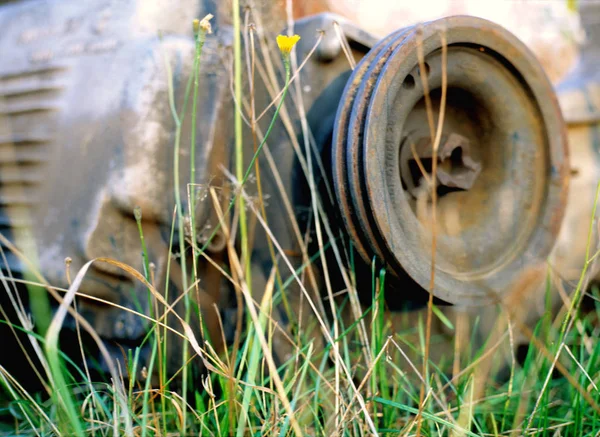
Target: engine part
{"x": 503, "y": 173}
{"x": 87, "y": 91}
{"x": 87, "y": 134}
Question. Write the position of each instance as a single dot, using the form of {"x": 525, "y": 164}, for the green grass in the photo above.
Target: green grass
{"x": 507, "y": 405}
{"x": 348, "y": 375}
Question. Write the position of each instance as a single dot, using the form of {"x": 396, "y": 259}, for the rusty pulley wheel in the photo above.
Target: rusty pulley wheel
{"x": 502, "y": 162}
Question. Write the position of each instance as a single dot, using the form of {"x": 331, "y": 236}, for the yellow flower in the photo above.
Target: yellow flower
{"x": 287, "y": 43}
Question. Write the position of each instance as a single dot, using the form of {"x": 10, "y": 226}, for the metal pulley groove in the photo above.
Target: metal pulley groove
{"x": 503, "y": 162}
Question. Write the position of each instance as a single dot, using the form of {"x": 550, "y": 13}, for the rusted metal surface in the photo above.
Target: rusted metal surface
{"x": 456, "y": 169}
{"x": 501, "y": 101}
{"x": 86, "y": 135}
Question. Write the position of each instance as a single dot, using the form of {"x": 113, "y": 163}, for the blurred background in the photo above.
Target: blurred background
{"x": 550, "y": 28}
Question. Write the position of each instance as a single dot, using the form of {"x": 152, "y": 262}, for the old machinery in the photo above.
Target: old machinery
{"x": 503, "y": 159}
{"x": 87, "y": 134}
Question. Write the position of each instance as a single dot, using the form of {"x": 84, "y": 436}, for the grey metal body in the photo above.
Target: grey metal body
{"x": 87, "y": 134}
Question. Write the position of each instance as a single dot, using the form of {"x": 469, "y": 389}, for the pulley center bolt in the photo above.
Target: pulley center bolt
{"x": 456, "y": 169}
